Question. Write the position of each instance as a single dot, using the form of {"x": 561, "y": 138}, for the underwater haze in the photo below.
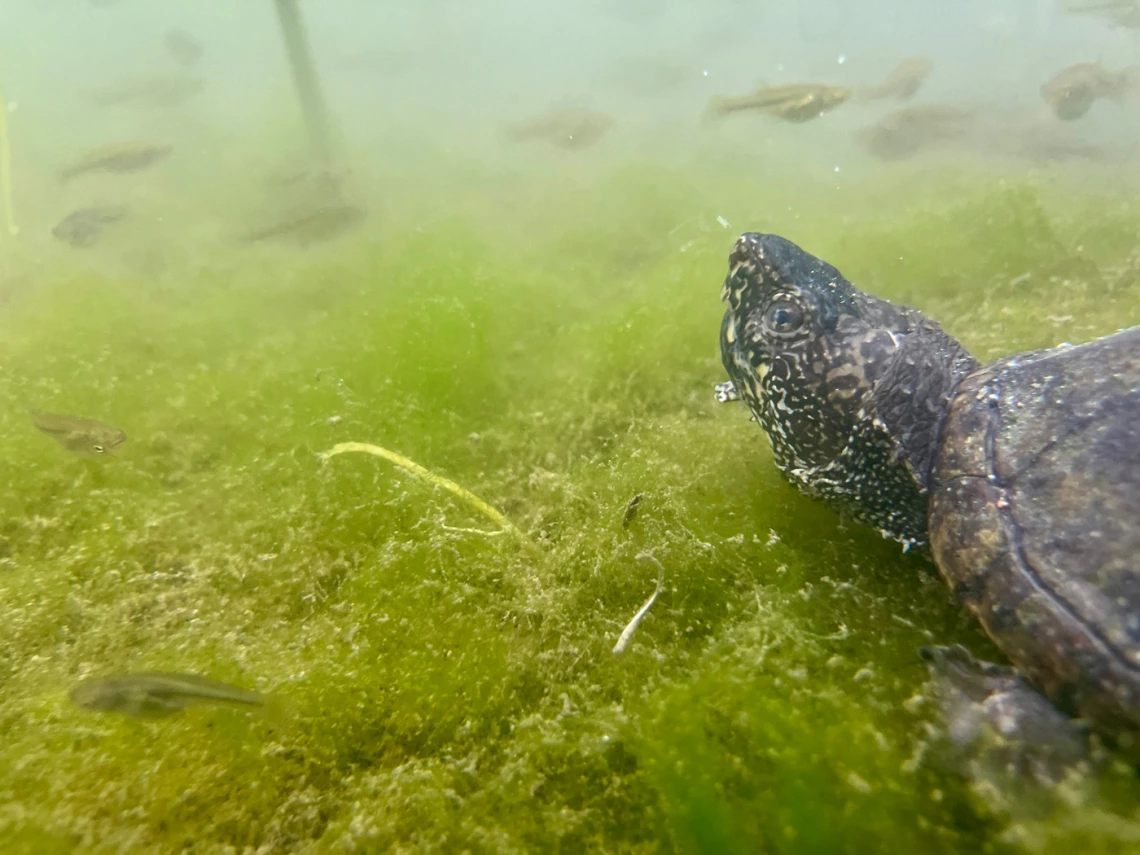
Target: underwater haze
{"x": 481, "y": 262}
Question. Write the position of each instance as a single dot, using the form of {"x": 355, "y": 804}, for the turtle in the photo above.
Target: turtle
{"x": 1019, "y": 478}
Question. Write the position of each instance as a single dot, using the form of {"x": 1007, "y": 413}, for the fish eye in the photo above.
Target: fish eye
{"x": 98, "y": 449}
{"x": 784, "y": 317}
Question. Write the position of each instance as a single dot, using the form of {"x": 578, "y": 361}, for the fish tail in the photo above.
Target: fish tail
{"x": 1127, "y": 82}
{"x": 256, "y": 235}
{"x": 718, "y": 107}
{"x": 101, "y": 99}
{"x": 278, "y": 710}
{"x": 519, "y": 133}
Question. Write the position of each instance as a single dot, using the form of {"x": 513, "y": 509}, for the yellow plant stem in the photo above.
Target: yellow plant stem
{"x": 429, "y": 476}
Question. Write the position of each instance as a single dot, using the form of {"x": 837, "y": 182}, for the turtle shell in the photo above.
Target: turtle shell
{"x": 1035, "y": 519}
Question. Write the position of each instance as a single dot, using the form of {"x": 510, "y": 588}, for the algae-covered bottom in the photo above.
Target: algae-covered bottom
{"x": 451, "y": 689}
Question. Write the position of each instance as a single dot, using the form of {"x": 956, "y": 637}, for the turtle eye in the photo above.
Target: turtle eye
{"x": 784, "y": 317}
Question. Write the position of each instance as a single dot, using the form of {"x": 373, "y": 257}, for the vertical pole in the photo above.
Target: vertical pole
{"x": 6, "y": 169}
{"x": 305, "y": 76}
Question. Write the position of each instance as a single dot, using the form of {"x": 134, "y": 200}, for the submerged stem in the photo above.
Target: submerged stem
{"x": 429, "y": 476}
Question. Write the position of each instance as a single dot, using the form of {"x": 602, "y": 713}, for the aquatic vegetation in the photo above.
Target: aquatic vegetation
{"x": 429, "y": 476}
{"x": 454, "y": 691}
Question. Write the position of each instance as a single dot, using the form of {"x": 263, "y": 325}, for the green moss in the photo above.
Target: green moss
{"x": 454, "y": 691}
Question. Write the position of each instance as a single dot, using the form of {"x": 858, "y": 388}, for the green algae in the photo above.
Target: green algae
{"x": 453, "y": 692}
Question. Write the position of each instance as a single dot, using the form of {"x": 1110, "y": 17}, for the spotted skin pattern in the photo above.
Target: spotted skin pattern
{"x": 837, "y": 395}
{"x": 1022, "y": 476}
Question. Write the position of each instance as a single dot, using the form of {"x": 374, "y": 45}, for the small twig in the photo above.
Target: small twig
{"x": 459, "y": 530}
{"x": 429, "y": 476}
{"x": 631, "y": 627}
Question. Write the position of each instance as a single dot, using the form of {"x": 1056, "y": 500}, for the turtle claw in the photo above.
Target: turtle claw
{"x": 725, "y": 392}
{"x": 1000, "y": 727}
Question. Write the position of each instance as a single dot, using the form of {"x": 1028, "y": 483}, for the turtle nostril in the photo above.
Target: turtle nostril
{"x": 745, "y": 248}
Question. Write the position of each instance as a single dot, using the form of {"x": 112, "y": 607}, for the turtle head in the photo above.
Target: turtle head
{"x": 783, "y": 307}
{"x": 850, "y": 389}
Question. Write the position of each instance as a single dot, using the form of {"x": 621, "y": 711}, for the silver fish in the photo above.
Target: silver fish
{"x": 796, "y": 102}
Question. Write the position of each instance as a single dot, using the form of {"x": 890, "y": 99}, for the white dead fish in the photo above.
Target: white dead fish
{"x": 627, "y": 633}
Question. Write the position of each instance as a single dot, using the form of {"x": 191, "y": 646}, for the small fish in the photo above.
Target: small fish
{"x": 151, "y": 91}
{"x": 631, "y": 627}
{"x": 570, "y": 129}
{"x": 318, "y": 182}
{"x": 83, "y": 227}
{"x": 119, "y": 158}
{"x": 1072, "y": 91}
{"x": 903, "y": 83}
{"x": 1118, "y": 13}
{"x": 183, "y": 47}
{"x": 157, "y": 695}
{"x": 631, "y": 511}
{"x": 907, "y": 131}
{"x": 79, "y": 435}
{"x": 1048, "y": 142}
{"x": 797, "y": 102}
{"x": 311, "y": 224}
{"x": 652, "y": 76}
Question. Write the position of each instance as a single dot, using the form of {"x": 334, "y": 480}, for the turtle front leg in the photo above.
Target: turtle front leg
{"x": 1002, "y": 729}
{"x": 725, "y": 392}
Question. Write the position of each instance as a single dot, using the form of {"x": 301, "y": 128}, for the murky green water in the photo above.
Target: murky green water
{"x": 456, "y": 691}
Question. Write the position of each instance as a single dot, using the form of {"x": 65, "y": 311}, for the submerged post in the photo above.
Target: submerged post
{"x": 6, "y": 170}
{"x": 305, "y": 76}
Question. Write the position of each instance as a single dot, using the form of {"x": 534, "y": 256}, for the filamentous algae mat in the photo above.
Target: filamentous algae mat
{"x": 446, "y": 686}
